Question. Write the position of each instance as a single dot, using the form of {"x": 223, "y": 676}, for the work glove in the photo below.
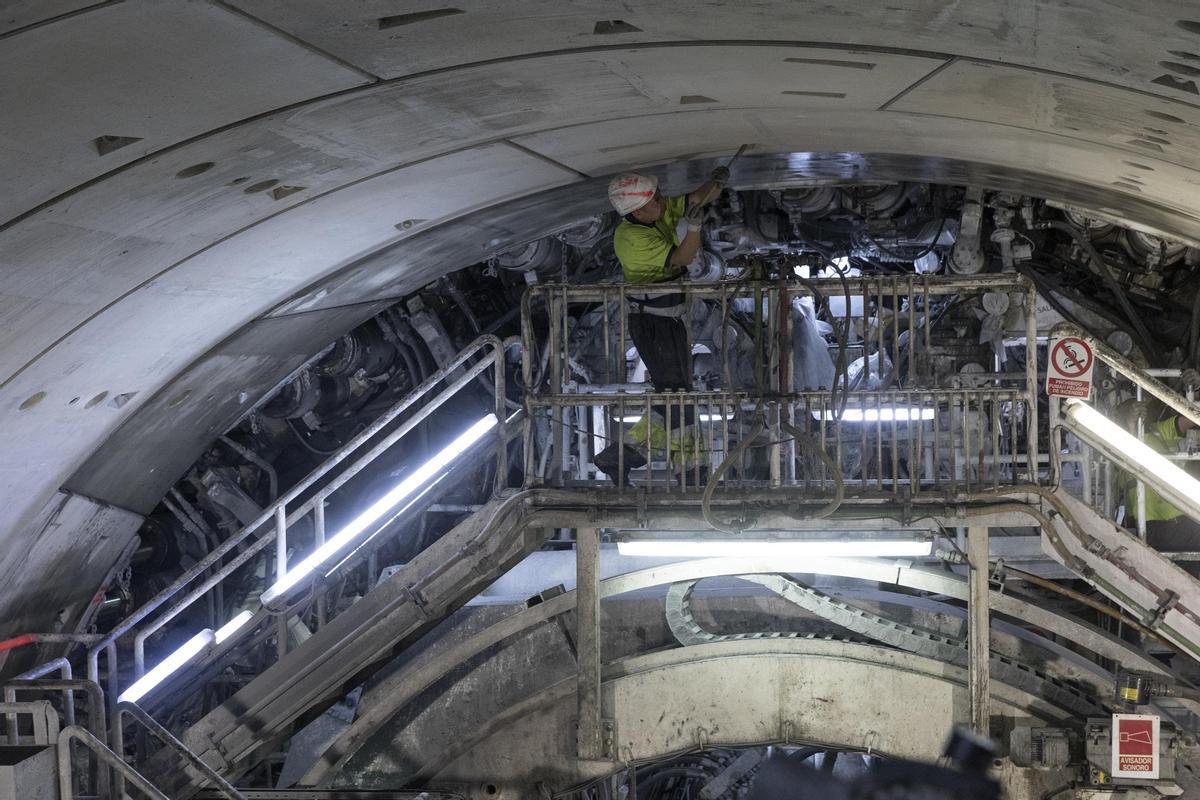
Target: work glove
{"x": 720, "y": 175}
{"x": 695, "y": 217}
{"x": 1190, "y": 377}
{"x": 1138, "y": 408}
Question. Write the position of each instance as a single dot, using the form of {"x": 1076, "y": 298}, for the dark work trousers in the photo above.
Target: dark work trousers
{"x": 662, "y": 343}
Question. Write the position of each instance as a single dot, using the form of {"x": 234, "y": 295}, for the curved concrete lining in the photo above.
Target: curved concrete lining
{"x": 177, "y": 173}
{"x": 730, "y": 694}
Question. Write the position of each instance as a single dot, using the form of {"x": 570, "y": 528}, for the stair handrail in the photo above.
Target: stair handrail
{"x": 496, "y": 349}
{"x": 1144, "y": 380}
{"x": 74, "y": 733}
{"x": 1130, "y": 371}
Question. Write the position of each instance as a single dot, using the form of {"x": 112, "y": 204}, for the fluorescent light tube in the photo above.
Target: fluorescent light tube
{"x": 190, "y": 649}
{"x": 752, "y": 548}
{"x": 675, "y": 416}
{"x": 911, "y": 414}
{"x": 378, "y": 509}
{"x": 1126, "y": 449}
{"x": 233, "y": 626}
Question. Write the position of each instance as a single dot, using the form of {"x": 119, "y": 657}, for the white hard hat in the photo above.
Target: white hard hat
{"x": 630, "y": 191}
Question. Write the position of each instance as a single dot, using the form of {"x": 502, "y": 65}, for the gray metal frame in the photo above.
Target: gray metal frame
{"x": 917, "y": 444}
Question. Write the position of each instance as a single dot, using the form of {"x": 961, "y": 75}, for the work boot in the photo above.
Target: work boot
{"x": 608, "y": 461}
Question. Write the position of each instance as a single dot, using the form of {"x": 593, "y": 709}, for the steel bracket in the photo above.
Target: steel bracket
{"x": 608, "y": 738}
{"x": 1166, "y": 601}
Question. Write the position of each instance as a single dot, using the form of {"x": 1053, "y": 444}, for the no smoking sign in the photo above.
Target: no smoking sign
{"x": 1069, "y": 368}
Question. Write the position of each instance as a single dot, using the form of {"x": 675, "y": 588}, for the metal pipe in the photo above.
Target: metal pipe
{"x": 1141, "y": 484}
{"x": 64, "y": 668}
{"x": 97, "y": 717}
{"x": 979, "y": 629}
{"x": 1031, "y": 378}
{"x": 318, "y": 540}
{"x": 74, "y": 733}
{"x": 589, "y": 738}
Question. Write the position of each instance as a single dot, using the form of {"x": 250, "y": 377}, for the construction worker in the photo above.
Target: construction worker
{"x": 652, "y": 250}
{"x": 1167, "y": 528}
{"x": 683, "y": 449}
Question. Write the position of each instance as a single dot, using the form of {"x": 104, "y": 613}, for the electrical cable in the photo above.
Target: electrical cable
{"x": 929, "y": 249}
{"x": 733, "y": 457}
{"x": 839, "y": 485}
{"x": 1145, "y": 342}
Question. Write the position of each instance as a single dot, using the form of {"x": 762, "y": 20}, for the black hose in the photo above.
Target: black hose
{"x": 929, "y": 249}
{"x": 1194, "y": 332}
{"x": 689, "y": 773}
{"x": 1146, "y": 343}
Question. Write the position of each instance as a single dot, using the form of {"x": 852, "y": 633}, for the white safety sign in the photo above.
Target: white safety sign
{"x": 1069, "y": 368}
{"x": 1135, "y": 746}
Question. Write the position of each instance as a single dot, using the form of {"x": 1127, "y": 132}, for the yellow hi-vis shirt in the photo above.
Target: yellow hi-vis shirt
{"x": 1162, "y": 437}
{"x": 643, "y": 249}
{"x": 684, "y": 448}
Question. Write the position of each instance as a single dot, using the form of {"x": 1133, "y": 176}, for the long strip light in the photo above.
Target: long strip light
{"x": 190, "y": 649}
{"x": 753, "y": 548}
{"x": 891, "y": 414}
{"x": 703, "y": 417}
{"x": 380, "y": 507}
{"x": 1119, "y": 444}
{"x": 233, "y": 626}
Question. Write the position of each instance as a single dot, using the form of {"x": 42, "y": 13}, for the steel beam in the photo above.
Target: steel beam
{"x": 439, "y": 580}
{"x": 416, "y": 676}
{"x": 588, "y": 738}
{"x": 979, "y": 629}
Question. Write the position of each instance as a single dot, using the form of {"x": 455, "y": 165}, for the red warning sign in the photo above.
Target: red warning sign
{"x": 1069, "y": 368}
{"x": 1135, "y": 746}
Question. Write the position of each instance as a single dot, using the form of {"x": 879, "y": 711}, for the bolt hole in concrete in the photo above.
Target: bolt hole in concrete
{"x": 397, "y": 20}
{"x": 195, "y": 169}
{"x": 95, "y": 401}
{"x": 108, "y": 143}
{"x": 1174, "y": 82}
{"x": 1181, "y": 68}
{"x": 261, "y": 186}
{"x": 120, "y": 400}
{"x": 606, "y": 26}
{"x": 280, "y": 192}
{"x": 32, "y": 400}
{"x": 490, "y": 788}
{"x": 1166, "y": 117}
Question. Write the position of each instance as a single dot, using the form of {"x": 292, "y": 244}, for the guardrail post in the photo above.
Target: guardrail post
{"x": 588, "y": 743}
{"x": 1031, "y": 376}
{"x": 978, "y": 629}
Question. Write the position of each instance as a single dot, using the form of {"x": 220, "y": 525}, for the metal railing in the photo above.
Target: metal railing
{"x": 1105, "y": 475}
{"x": 305, "y": 501}
{"x": 66, "y": 783}
{"x": 897, "y": 425}
{"x": 160, "y": 732}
